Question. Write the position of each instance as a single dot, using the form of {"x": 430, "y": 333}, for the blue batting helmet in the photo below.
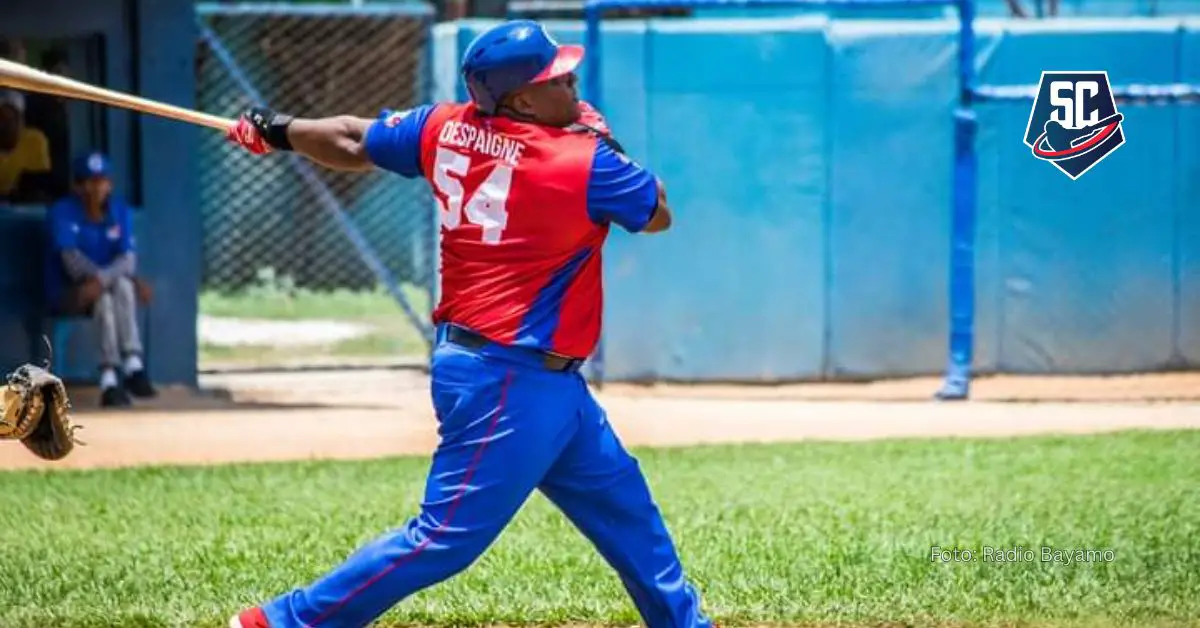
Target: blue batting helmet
{"x": 515, "y": 53}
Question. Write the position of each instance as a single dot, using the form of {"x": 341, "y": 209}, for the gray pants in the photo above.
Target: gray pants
{"x": 115, "y": 313}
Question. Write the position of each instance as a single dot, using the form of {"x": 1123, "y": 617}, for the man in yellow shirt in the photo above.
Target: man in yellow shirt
{"x": 24, "y": 154}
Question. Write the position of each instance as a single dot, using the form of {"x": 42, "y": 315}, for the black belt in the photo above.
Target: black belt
{"x": 471, "y": 340}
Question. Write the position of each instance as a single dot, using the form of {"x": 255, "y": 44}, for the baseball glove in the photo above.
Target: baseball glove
{"x": 35, "y": 412}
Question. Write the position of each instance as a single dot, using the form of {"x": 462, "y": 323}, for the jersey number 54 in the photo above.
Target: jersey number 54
{"x": 486, "y": 205}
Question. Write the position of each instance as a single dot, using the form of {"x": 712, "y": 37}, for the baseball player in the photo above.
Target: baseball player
{"x": 92, "y": 271}
{"x": 529, "y": 184}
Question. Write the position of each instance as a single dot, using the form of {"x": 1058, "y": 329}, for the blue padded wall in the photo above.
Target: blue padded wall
{"x": 1187, "y": 205}
{"x": 1085, "y": 265}
{"x": 743, "y": 270}
{"x": 890, "y": 162}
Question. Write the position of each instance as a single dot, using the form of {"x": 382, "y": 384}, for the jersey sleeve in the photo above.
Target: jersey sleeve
{"x": 620, "y": 191}
{"x": 127, "y": 243}
{"x": 63, "y": 230}
{"x": 393, "y": 141}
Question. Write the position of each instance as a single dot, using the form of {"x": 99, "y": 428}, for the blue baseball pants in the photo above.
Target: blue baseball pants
{"x": 508, "y": 426}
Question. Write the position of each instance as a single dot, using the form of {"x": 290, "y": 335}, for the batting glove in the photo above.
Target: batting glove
{"x": 245, "y": 135}
{"x": 261, "y": 130}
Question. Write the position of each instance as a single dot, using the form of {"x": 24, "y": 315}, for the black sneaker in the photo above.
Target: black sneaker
{"x": 115, "y": 397}
{"x": 138, "y": 384}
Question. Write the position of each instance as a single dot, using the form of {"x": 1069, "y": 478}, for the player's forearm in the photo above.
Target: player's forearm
{"x": 335, "y": 143}
{"x": 660, "y": 220}
{"x": 78, "y": 266}
{"x": 124, "y": 266}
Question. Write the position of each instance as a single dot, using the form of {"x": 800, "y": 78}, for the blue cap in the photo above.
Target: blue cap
{"x": 91, "y": 165}
{"x": 513, "y": 54}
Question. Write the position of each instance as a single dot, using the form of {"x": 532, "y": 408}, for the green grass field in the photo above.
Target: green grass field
{"x": 392, "y": 335}
{"x": 808, "y": 534}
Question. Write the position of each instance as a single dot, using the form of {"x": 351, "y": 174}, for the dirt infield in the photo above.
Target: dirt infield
{"x": 364, "y": 414}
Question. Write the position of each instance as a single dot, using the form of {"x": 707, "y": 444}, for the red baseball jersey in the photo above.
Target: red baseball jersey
{"x": 525, "y": 210}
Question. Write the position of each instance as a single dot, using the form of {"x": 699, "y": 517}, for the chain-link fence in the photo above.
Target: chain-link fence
{"x": 304, "y": 265}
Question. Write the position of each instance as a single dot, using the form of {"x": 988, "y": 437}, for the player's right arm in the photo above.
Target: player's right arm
{"x": 391, "y": 142}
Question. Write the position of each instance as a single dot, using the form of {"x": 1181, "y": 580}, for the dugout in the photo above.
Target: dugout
{"x": 142, "y": 46}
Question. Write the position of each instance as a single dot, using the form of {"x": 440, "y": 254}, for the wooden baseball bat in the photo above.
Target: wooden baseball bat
{"x": 23, "y": 77}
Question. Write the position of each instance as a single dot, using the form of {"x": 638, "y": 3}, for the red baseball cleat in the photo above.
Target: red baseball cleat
{"x": 253, "y": 618}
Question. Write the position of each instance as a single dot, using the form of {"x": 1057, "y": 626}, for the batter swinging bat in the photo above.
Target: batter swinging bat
{"x": 23, "y": 77}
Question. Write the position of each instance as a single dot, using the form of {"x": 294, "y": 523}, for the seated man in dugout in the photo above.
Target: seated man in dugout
{"x": 24, "y": 154}
{"x": 92, "y": 272}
